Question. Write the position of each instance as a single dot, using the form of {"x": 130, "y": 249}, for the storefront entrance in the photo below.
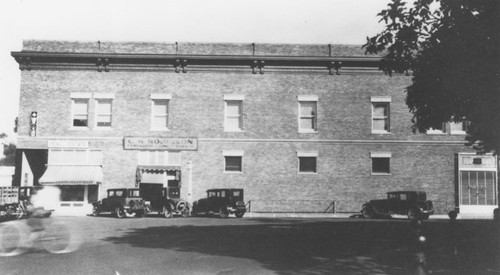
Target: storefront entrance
{"x": 478, "y": 183}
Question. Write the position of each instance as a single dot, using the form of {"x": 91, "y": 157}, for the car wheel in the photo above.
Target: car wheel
{"x": 185, "y": 212}
{"x": 413, "y": 214}
{"x": 368, "y": 212}
{"x": 167, "y": 213}
{"x": 425, "y": 216}
{"x": 223, "y": 213}
{"x": 119, "y": 212}
{"x": 239, "y": 214}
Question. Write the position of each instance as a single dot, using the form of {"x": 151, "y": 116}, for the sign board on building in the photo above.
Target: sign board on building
{"x": 160, "y": 143}
{"x": 68, "y": 144}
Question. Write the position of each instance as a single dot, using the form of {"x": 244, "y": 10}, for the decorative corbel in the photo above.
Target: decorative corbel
{"x": 258, "y": 64}
{"x": 334, "y": 66}
{"x": 24, "y": 63}
{"x": 180, "y": 65}
{"x": 102, "y": 64}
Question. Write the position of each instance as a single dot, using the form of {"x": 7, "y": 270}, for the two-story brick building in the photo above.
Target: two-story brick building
{"x": 299, "y": 127}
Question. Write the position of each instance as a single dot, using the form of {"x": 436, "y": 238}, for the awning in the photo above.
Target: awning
{"x": 72, "y": 175}
{"x": 156, "y": 173}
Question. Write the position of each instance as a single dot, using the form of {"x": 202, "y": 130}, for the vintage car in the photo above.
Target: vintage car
{"x": 414, "y": 204}
{"x": 165, "y": 201}
{"x": 121, "y": 202}
{"x": 221, "y": 202}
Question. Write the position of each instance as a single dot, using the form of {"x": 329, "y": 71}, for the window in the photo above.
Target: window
{"x": 159, "y": 158}
{"x": 160, "y": 111}
{"x": 307, "y": 162}
{"x": 459, "y": 128}
{"x": 103, "y": 112}
{"x": 441, "y": 129}
{"x": 308, "y": 113}
{"x": 380, "y": 114}
{"x": 233, "y": 113}
{"x": 75, "y": 156}
{"x": 381, "y": 163}
{"x": 233, "y": 161}
{"x": 80, "y": 111}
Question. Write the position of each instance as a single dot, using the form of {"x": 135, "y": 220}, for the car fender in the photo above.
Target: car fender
{"x": 373, "y": 206}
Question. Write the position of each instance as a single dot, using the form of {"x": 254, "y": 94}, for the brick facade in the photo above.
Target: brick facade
{"x": 270, "y": 138}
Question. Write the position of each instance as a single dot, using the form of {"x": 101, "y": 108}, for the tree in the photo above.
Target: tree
{"x": 451, "y": 47}
{"x": 9, "y": 151}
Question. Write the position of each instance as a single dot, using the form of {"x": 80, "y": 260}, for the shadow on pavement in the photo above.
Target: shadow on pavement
{"x": 343, "y": 247}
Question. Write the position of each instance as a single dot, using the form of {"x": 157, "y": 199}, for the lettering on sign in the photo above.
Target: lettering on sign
{"x": 160, "y": 143}
{"x": 68, "y": 143}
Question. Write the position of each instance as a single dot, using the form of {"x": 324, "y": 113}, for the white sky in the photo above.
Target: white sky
{"x": 244, "y": 21}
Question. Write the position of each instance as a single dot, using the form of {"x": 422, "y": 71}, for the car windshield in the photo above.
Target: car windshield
{"x": 134, "y": 193}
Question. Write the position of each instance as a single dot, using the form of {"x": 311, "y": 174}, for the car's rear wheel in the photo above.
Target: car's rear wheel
{"x": 223, "y": 213}
{"x": 239, "y": 214}
{"x": 167, "y": 213}
{"x": 119, "y": 212}
{"x": 368, "y": 212}
{"x": 413, "y": 214}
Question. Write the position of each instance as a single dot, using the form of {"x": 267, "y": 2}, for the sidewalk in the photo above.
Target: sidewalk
{"x": 356, "y": 215}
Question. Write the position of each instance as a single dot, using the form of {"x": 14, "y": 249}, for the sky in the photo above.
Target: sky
{"x": 230, "y": 21}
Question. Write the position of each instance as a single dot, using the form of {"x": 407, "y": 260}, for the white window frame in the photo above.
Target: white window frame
{"x": 307, "y": 98}
{"x": 160, "y": 97}
{"x": 386, "y": 100}
{"x": 232, "y": 153}
{"x": 380, "y": 155}
{"x": 233, "y": 98}
{"x": 80, "y": 96}
{"x": 307, "y": 154}
{"x": 103, "y": 97}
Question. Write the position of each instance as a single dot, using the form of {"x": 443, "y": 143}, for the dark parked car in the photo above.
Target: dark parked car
{"x": 165, "y": 201}
{"x": 222, "y": 202}
{"x": 414, "y": 204}
{"x": 121, "y": 202}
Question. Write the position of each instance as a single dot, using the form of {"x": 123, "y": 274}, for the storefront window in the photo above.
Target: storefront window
{"x": 72, "y": 193}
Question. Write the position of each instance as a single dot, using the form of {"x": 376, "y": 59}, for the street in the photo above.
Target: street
{"x": 154, "y": 245}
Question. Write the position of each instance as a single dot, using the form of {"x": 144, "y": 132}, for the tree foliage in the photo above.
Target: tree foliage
{"x": 451, "y": 47}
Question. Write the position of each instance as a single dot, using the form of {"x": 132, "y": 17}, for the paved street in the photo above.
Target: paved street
{"x": 155, "y": 245}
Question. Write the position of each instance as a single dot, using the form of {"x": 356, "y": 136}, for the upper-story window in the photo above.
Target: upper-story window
{"x": 159, "y": 157}
{"x": 103, "y": 110}
{"x": 308, "y": 113}
{"x": 233, "y": 113}
{"x": 380, "y": 114}
{"x": 74, "y": 156}
{"x": 459, "y": 128}
{"x": 80, "y": 110}
{"x": 438, "y": 130}
{"x": 160, "y": 111}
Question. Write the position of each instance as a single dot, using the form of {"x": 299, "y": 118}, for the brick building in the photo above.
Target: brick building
{"x": 299, "y": 127}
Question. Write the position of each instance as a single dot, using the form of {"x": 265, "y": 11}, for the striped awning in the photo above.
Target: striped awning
{"x": 72, "y": 175}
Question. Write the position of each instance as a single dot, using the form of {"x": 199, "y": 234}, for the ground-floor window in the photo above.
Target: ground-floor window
{"x": 72, "y": 193}
{"x": 478, "y": 188}
{"x": 77, "y": 193}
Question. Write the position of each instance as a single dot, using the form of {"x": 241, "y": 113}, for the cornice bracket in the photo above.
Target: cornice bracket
{"x": 180, "y": 65}
{"x": 24, "y": 63}
{"x": 102, "y": 64}
{"x": 258, "y": 64}
{"x": 334, "y": 66}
